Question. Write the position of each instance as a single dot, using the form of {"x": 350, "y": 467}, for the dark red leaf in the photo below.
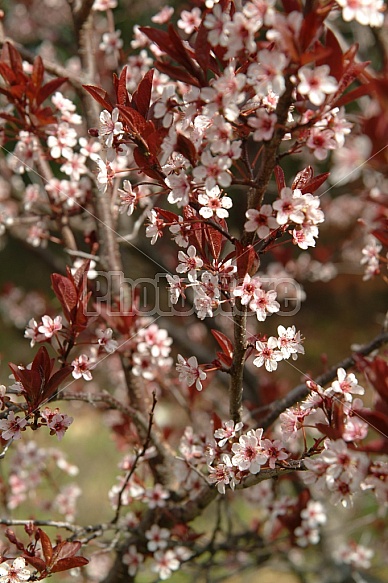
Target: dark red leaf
{"x": 334, "y": 59}
{"x": 214, "y": 240}
{"x": 168, "y": 216}
{"x": 66, "y": 293}
{"x": 37, "y": 73}
{"x": 55, "y": 381}
{"x": 141, "y": 99}
{"x": 279, "y": 177}
{"x": 381, "y": 235}
{"x": 121, "y": 88}
{"x": 375, "y": 419}
{"x": 292, "y": 5}
{"x": 49, "y": 88}
{"x": 186, "y": 147}
{"x": 247, "y": 260}
{"x": 224, "y": 342}
{"x": 202, "y": 48}
{"x": 313, "y": 184}
{"x": 354, "y": 94}
{"x": 47, "y": 547}
{"x": 99, "y": 95}
{"x": 65, "y": 550}
{"x": 134, "y": 120}
{"x": 36, "y": 562}
{"x": 70, "y": 563}
{"x": 177, "y": 73}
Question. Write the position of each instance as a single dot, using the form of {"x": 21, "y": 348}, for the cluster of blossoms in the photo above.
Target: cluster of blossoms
{"x": 28, "y": 474}
{"x": 247, "y": 88}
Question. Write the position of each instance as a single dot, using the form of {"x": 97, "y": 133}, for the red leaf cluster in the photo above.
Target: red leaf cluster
{"x": 26, "y": 92}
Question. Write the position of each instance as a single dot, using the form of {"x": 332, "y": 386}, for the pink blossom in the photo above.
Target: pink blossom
{"x": 164, "y": 15}
{"x": 57, "y": 422}
{"x": 316, "y": 83}
{"x": 261, "y": 221}
{"x": 346, "y": 386}
{"x": 165, "y": 563}
{"x": 268, "y": 354}
{"x": 222, "y": 474}
{"x": 49, "y": 326}
{"x": 264, "y": 303}
{"x": 156, "y": 497}
{"x": 249, "y": 453}
{"x": 133, "y": 559}
{"x": 111, "y": 43}
{"x": 176, "y": 287}
{"x": 157, "y": 538}
{"x": 180, "y": 188}
{"x": 248, "y": 289}
{"x": 32, "y": 332}
{"x": 189, "y": 263}
{"x": 12, "y": 426}
{"x": 289, "y": 342}
{"x": 106, "y": 341}
{"x": 213, "y": 171}
{"x": 263, "y": 124}
{"x": 189, "y": 21}
{"x": 127, "y": 198}
{"x": 289, "y": 207}
{"x": 189, "y": 372}
{"x": 15, "y": 573}
{"x": 274, "y": 451}
{"x": 154, "y": 229}
{"x": 227, "y": 431}
{"x": 320, "y": 141}
{"x": 82, "y": 367}
{"x": 214, "y": 204}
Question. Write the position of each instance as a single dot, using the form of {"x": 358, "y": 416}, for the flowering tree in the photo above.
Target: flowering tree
{"x": 205, "y": 135}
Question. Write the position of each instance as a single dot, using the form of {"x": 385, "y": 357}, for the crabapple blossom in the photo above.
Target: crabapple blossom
{"x": 261, "y": 221}
{"x": 214, "y": 204}
{"x": 316, "y": 83}
{"x": 109, "y": 127}
{"x": 15, "y": 573}
{"x": 57, "y": 422}
{"x": 165, "y": 562}
{"x": 264, "y": 304}
{"x": 227, "y": 431}
{"x": 133, "y": 559}
{"x": 12, "y": 426}
{"x": 106, "y": 341}
{"x": 50, "y": 327}
{"x": 189, "y": 20}
{"x": 189, "y": 263}
{"x": 189, "y": 372}
{"x": 274, "y": 451}
{"x": 157, "y": 538}
{"x": 111, "y": 42}
{"x": 358, "y": 556}
{"x": 289, "y": 207}
{"x": 154, "y": 229}
{"x": 268, "y": 354}
{"x": 82, "y": 365}
{"x": 248, "y": 289}
{"x": 346, "y": 386}
{"x": 222, "y": 474}
{"x": 249, "y": 453}
{"x": 176, "y": 287}
{"x": 180, "y": 188}
{"x": 263, "y": 124}
{"x": 127, "y": 198}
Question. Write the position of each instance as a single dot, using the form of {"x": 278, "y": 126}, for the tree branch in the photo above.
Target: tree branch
{"x": 302, "y": 391}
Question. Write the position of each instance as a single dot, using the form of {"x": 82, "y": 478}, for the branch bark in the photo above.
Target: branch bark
{"x": 302, "y": 391}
